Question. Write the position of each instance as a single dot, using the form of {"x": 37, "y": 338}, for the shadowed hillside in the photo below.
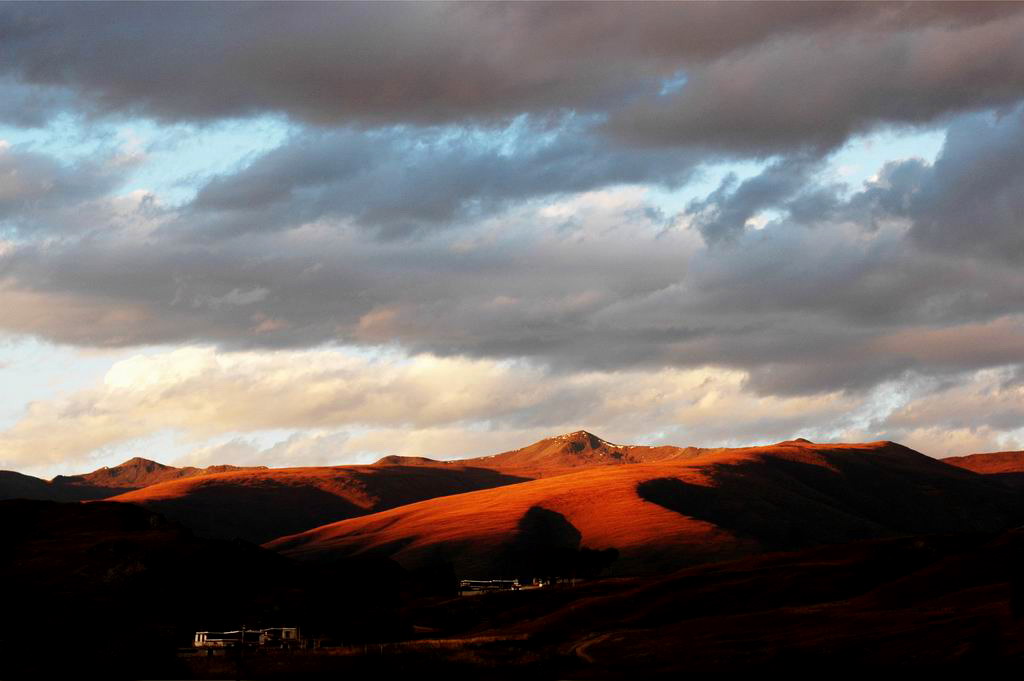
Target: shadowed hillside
{"x": 19, "y": 486}
{"x": 712, "y": 506}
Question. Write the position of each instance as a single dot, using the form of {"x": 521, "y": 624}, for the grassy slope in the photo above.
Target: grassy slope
{"x": 660, "y": 516}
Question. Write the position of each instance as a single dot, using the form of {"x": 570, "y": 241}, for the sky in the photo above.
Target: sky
{"x": 318, "y": 234}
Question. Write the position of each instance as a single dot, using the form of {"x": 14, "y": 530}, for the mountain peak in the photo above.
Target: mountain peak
{"x": 139, "y": 462}
{"x": 578, "y": 448}
{"x": 133, "y": 473}
{"x": 583, "y": 437}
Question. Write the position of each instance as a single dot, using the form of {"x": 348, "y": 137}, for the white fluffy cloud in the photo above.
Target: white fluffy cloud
{"x": 418, "y": 404}
{"x": 346, "y": 406}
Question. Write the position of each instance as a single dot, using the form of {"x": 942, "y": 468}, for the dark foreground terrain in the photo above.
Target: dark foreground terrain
{"x": 115, "y": 590}
{"x": 935, "y": 603}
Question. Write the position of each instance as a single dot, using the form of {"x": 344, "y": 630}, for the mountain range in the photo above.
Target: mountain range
{"x": 658, "y": 508}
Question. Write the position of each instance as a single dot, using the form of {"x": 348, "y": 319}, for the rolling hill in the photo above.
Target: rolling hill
{"x": 259, "y": 505}
{"x": 990, "y": 462}
{"x": 696, "y": 507}
{"x": 1006, "y": 467}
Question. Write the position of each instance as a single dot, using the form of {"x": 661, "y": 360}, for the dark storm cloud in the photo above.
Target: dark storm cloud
{"x": 837, "y": 305}
{"x": 918, "y": 272}
{"x": 397, "y": 180}
{"x": 322, "y": 288}
{"x": 816, "y": 91}
{"x": 972, "y": 200}
{"x": 842, "y": 68}
{"x": 969, "y": 203}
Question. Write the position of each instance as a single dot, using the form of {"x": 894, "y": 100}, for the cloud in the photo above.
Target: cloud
{"x": 595, "y": 281}
{"x": 35, "y": 188}
{"x": 299, "y": 449}
{"x": 328, "y": 283}
{"x": 759, "y": 77}
{"x": 511, "y": 190}
{"x": 725, "y": 213}
{"x": 982, "y": 400}
{"x": 538, "y": 239}
{"x": 29, "y": 106}
{"x": 974, "y": 412}
{"x": 816, "y": 91}
{"x": 943, "y": 442}
{"x": 200, "y": 393}
{"x": 971, "y": 201}
{"x": 397, "y": 180}
{"x": 344, "y": 406}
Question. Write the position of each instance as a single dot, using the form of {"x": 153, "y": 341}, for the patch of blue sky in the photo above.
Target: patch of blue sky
{"x": 522, "y": 133}
{"x": 177, "y": 158}
{"x": 672, "y": 84}
{"x": 389, "y": 354}
{"x": 863, "y": 156}
{"x": 65, "y": 136}
{"x": 181, "y": 158}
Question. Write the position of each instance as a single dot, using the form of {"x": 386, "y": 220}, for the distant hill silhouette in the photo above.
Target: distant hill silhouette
{"x": 102, "y": 483}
